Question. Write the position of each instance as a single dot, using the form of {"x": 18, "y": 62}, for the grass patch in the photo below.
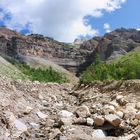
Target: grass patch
{"x": 123, "y": 68}
{"x": 46, "y": 75}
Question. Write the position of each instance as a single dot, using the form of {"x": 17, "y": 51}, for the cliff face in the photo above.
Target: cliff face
{"x": 17, "y": 45}
{"x": 75, "y": 58}
{"x": 111, "y": 45}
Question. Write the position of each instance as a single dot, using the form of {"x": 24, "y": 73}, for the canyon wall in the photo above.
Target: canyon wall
{"x": 74, "y": 57}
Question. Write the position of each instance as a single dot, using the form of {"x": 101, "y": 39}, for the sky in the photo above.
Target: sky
{"x": 66, "y": 20}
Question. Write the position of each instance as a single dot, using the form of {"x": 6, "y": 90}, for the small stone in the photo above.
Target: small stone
{"x": 114, "y": 103}
{"x": 62, "y": 128}
{"x": 45, "y": 103}
{"x": 39, "y": 135}
{"x": 41, "y": 115}
{"x": 138, "y": 105}
{"x": 52, "y": 98}
{"x": 129, "y": 112}
{"x": 65, "y": 114}
{"x": 120, "y": 114}
{"x": 108, "y": 109}
{"x": 55, "y": 133}
{"x": 125, "y": 126}
{"x": 40, "y": 97}
{"x": 131, "y": 105}
{"x": 137, "y": 116}
{"x": 134, "y": 122}
{"x": 113, "y": 119}
{"x": 130, "y": 137}
{"x": 6, "y": 136}
{"x": 80, "y": 121}
{"x": 66, "y": 121}
{"x": 62, "y": 138}
{"x": 120, "y": 99}
{"x": 90, "y": 121}
{"x": 96, "y": 108}
{"x": 20, "y": 126}
{"x": 10, "y": 118}
{"x": 99, "y": 121}
{"x": 83, "y": 111}
{"x": 34, "y": 125}
{"x": 98, "y": 134}
{"x": 50, "y": 122}
{"x": 28, "y": 110}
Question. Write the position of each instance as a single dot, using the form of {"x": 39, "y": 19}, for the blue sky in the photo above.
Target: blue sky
{"x": 66, "y": 20}
{"x": 128, "y": 17}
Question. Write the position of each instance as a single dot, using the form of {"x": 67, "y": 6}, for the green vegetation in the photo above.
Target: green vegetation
{"x": 47, "y": 75}
{"x": 124, "y": 68}
{"x": 9, "y": 70}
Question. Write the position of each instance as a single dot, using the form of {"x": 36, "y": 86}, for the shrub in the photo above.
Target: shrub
{"x": 124, "y": 68}
{"x": 41, "y": 75}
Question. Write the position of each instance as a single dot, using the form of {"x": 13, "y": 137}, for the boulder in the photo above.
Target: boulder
{"x": 83, "y": 111}
{"x": 98, "y": 134}
{"x": 113, "y": 119}
{"x": 99, "y": 121}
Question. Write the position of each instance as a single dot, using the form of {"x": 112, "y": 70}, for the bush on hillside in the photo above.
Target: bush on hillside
{"x": 41, "y": 75}
{"x": 127, "y": 67}
{"x": 47, "y": 75}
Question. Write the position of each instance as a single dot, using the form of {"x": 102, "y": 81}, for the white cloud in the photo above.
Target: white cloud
{"x": 107, "y": 27}
{"x": 60, "y": 19}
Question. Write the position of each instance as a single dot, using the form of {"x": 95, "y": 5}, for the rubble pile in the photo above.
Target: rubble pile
{"x": 39, "y": 111}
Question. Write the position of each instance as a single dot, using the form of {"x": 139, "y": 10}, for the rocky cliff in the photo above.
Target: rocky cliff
{"x": 75, "y": 57}
{"x": 17, "y": 45}
{"x": 111, "y": 45}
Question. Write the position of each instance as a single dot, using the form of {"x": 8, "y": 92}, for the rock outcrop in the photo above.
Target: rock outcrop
{"x": 111, "y": 45}
{"x": 74, "y": 57}
{"x": 17, "y": 45}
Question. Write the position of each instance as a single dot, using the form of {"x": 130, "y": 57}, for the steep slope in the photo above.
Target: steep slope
{"x": 123, "y": 68}
{"x": 112, "y": 45}
{"x": 9, "y": 70}
{"x": 38, "y": 62}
